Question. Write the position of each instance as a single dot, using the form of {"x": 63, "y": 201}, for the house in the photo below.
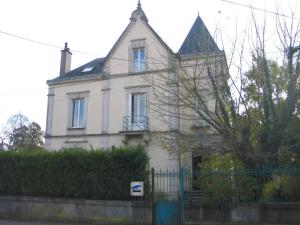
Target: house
{"x": 107, "y": 102}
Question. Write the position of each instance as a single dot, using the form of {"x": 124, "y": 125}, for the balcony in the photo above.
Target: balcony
{"x": 135, "y": 123}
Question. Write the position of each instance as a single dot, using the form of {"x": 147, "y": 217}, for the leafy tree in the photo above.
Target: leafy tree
{"x": 275, "y": 117}
{"x": 21, "y": 134}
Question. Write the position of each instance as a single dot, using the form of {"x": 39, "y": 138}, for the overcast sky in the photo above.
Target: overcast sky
{"x": 93, "y": 26}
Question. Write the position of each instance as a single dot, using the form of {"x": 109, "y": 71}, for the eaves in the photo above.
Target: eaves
{"x": 101, "y": 76}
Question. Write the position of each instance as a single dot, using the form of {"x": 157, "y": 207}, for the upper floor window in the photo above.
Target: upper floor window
{"x": 77, "y": 120}
{"x": 136, "y": 119}
{"x": 77, "y": 111}
{"x": 199, "y": 121}
{"x": 138, "y": 62}
{"x": 137, "y": 105}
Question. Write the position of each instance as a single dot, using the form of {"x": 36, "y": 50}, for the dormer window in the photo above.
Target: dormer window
{"x": 138, "y": 55}
{"x": 138, "y": 63}
{"x": 88, "y": 69}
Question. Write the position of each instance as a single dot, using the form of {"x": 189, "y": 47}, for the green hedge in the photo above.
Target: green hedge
{"x": 73, "y": 173}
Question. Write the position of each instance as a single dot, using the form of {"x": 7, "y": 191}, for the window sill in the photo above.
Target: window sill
{"x": 76, "y": 128}
{"x": 133, "y": 132}
{"x": 137, "y": 73}
{"x": 200, "y": 126}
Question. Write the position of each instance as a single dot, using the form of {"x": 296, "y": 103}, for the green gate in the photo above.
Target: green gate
{"x": 168, "y": 197}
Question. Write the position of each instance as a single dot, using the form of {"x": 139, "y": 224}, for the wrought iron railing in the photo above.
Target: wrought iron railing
{"x": 265, "y": 184}
{"x": 135, "y": 123}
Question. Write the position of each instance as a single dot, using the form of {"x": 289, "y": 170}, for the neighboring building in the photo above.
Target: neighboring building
{"x": 106, "y": 102}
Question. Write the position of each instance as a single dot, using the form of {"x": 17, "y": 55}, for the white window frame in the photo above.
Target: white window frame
{"x": 78, "y": 115}
{"x": 77, "y": 96}
{"x": 131, "y": 105}
{"x": 138, "y": 63}
{"x": 138, "y": 55}
{"x": 134, "y": 124}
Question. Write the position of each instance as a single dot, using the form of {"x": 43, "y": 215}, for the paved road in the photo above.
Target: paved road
{"x": 14, "y": 222}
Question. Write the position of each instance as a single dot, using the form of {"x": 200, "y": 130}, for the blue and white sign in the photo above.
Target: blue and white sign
{"x": 137, "y": 188}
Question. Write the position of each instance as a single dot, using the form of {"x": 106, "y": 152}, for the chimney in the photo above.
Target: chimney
{"x": 65, "y": 61}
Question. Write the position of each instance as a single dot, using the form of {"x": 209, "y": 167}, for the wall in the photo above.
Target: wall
{"x": 139, "y": 212}
{"x": 77, "y": 211}
{"x": 258, "y": 214}
{"x": 101, "y": 132}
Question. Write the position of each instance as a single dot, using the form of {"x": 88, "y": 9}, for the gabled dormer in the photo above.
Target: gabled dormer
{"x": 139, "y": 49}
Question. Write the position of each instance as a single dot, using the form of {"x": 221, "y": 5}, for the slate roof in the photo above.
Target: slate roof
{"x": 198, "y": 40}
{"x": 96, "y": 67}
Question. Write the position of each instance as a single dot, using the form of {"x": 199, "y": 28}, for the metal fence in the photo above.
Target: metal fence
{"x": 233, "y": 186}
{"x": 166, "y": 184}
{"x": 263, "y": 184}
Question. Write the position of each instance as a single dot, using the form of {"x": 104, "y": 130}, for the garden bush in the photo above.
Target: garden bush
{"x": 225, "y": 179}
{"x": 284, "y": 182}
{"x": 284, "y": 186}
{"x": 73, "y": 173}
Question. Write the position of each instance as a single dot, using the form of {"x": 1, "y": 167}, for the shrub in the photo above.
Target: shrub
{"x": 282, "y": 187}
{"x": 225, "y": 179}
{"x": 284, "y": 181}
{"x": 73, "y": 173}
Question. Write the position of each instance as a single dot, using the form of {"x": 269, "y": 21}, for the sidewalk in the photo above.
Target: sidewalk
{"x": 15, "y": 222}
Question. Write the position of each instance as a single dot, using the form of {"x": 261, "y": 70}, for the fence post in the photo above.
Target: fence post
{"x": 153, "y": 196}
{"x": 181, "y": 194}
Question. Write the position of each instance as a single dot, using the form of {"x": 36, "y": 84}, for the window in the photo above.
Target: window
{"x": 138, "y": 63}
{"x": 88, "y": 69}
{"x": 199, "y": 121}
{"x": 205, "y": 99}
{"x": 138, "y": 53}
{"x": 77, "y": 113}
{"x": 137, "y": 105}
{"x": 136, "y": 119}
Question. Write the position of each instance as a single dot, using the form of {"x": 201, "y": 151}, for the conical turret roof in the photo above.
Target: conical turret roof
{"x": 198, "y": 40}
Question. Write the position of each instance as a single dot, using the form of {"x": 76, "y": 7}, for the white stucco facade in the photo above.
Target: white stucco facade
{"x": 111, "y": 95}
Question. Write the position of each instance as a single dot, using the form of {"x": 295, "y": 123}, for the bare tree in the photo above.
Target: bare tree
{"x": 251, "y": 114}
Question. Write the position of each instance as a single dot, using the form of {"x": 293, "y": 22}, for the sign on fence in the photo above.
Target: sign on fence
{"x": 137, "y": 188}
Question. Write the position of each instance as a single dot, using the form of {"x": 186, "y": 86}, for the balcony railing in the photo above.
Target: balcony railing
{"x": 135, "y": 123}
